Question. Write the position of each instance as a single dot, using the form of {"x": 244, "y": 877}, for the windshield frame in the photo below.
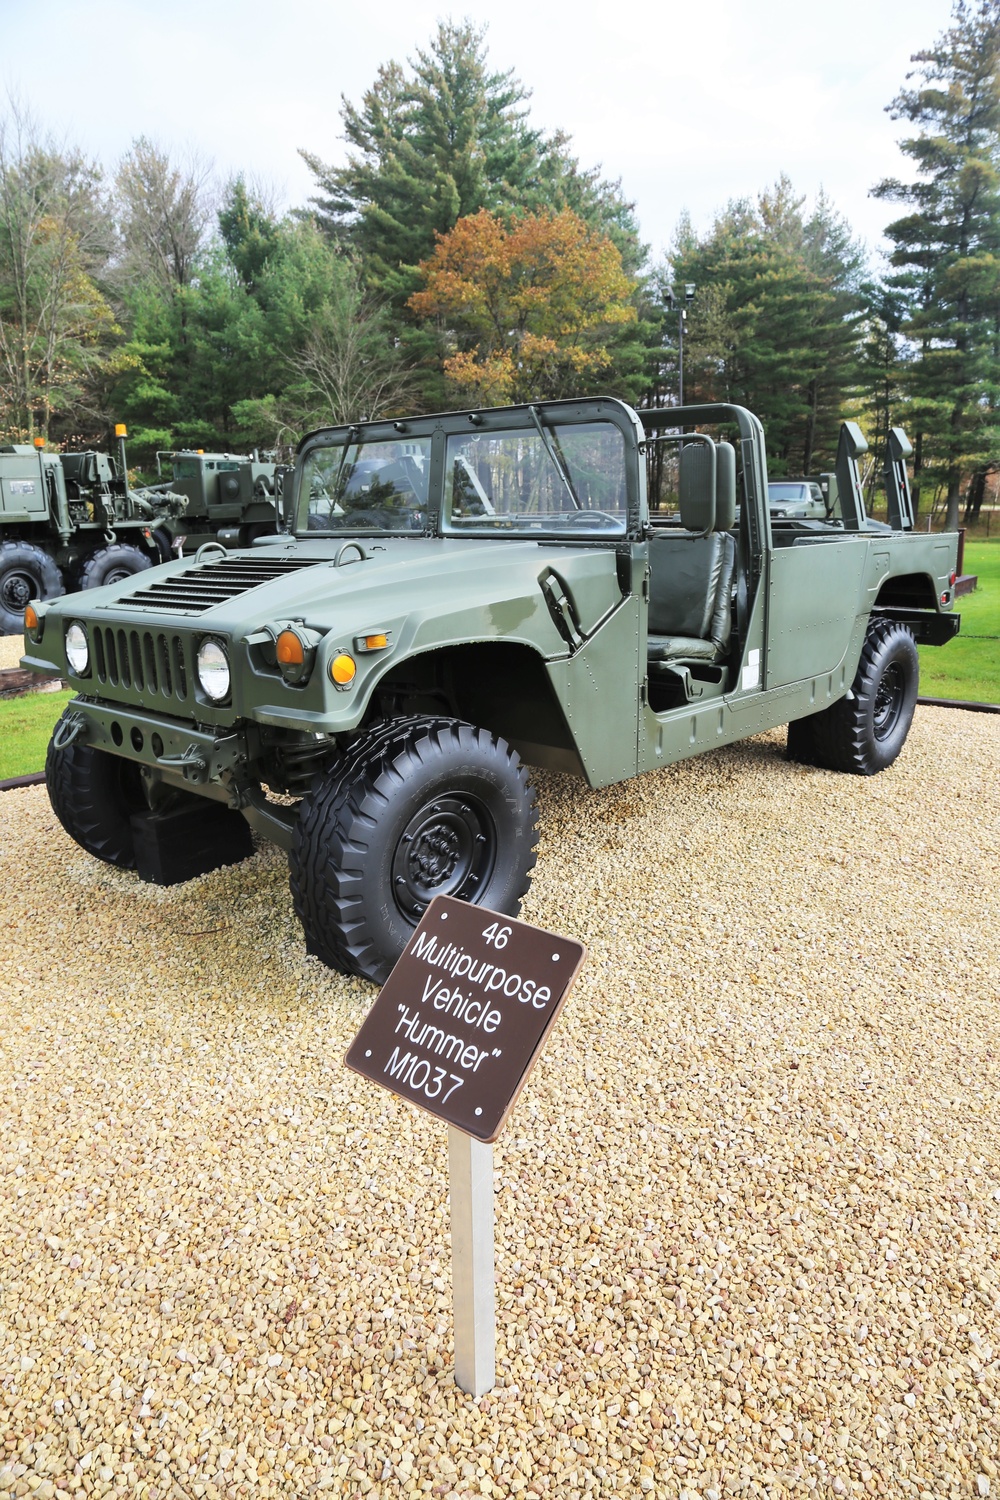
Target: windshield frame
{"x": 442, "y": 425}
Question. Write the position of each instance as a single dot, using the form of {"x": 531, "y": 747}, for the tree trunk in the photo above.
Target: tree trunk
{"x": 807, "y": 452}
{"x": 918, "y": 463}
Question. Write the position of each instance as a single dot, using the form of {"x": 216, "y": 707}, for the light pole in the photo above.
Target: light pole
{"x": 674, "y": 302}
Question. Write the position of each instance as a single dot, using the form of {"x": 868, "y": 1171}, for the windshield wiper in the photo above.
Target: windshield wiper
{"x": 343, "y": 461}
{"x": 555, "y": 456}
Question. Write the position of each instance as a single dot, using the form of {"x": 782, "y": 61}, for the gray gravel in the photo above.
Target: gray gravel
{"x": 747, "y": 1206}
{"x": 11, "y": 650}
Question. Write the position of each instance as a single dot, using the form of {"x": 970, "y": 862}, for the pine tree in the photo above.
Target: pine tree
{"x": 440, "y": 141}
{"x": 774, "y": 320}
{"x": 946, "y": 249}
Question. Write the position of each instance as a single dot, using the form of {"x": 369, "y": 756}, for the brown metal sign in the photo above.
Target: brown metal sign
{"x": 462, "y": 1018}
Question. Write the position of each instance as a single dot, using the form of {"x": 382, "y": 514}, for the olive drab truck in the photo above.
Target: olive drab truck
{"x": 232, "y": 499}
{"x": 462, "y": 597}
{"x": 72, "y": 521}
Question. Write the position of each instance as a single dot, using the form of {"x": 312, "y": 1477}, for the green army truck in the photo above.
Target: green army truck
{"x": 72, "y": 521}
{"x": 231, "y": 498}
{"x": 463, "y": 596}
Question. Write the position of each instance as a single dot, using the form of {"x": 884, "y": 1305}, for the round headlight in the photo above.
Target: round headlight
{"x": 77, "y": 649}
{"x": 213, "y": 670}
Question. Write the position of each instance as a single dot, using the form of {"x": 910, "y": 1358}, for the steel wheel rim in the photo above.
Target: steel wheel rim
{"x": 889, "y": 696}
{"x": 448, "y": 848}
{"x": 16, "y": 590}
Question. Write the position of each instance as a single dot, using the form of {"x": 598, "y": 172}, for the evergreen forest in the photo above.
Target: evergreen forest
{"x": 458, "y": 255}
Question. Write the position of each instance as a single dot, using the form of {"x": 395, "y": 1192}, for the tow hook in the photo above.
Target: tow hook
{"x": 190, "y": 759}
{"x": 70, "y": 727}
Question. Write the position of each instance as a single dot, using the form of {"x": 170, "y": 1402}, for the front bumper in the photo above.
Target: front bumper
{"x": 168, "y": 745}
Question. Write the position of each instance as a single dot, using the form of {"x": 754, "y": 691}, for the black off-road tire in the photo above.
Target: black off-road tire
{"x": 801, "y": 744}
{"x": 94, "y": 796}
{"x": 863, "y": 733}
{"x": 421, "y": 806}
{"x": 26, "y": 572}
{"x": 112, "y": 564}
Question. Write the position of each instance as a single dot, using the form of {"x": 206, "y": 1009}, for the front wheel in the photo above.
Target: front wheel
{"x": 864, "y": 732}
{"x": 112, "y": 564}
{"x": 26, "y": 573}
{"x": 94, "y": 795}
{"x": 423, "y": 807}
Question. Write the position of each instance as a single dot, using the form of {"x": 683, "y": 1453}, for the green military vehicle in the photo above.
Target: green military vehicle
{"x": 462, "y": 596}
{"x": 71, "y": 520}
{"x": 231, "y": 498}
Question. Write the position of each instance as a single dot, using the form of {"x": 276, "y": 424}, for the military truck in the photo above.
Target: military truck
{"x": 463, "y": 596}
{"x": 232, "y": 499}
{"x": 71, "y": 520}
{"x": 801, "y": 498}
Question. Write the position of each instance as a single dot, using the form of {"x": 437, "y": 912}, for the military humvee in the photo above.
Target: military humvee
{"x": 462, "y": 596}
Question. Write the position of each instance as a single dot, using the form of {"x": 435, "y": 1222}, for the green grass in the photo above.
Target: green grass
{"x": 26, "y": 726}
{"x": 968, "y": 667}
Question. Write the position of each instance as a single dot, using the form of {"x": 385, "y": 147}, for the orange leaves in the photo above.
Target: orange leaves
{"x": 530, "y": 305}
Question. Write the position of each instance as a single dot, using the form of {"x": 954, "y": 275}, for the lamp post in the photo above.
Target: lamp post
{"x": 674, "y": 302}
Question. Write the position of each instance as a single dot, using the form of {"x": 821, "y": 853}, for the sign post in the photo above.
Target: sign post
{"x": 473, "y": 1274}
{"x": 457, "y": 1028}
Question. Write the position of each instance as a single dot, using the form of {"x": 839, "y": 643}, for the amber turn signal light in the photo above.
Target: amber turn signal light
{"x": 30, "y": 618}
{"x": 288, "y": 649}
{"x": 376, "y": 642}
{"x": 343, "y": 669}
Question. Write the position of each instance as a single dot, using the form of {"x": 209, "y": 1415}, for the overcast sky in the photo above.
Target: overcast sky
{"x": 690, "y": 105}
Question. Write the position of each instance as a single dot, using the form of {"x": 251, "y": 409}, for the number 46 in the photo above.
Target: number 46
{"x": 497, "y": 935}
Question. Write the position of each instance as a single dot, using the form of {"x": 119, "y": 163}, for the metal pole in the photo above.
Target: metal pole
{"x": 680, "y": 358}
{"x": 473, "y": 1275}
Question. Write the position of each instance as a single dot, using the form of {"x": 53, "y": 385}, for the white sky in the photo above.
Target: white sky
{"x": 689, "y": 104}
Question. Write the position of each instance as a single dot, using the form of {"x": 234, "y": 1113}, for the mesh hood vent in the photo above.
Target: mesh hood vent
{"x": 199, "y": 589}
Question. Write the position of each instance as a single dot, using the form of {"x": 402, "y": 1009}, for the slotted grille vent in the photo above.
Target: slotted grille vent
{"x": 144, "y": 661}
{"x": 198, "y": 589}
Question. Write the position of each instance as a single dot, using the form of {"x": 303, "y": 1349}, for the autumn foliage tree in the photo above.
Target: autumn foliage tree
{"x": 534, "y": 309}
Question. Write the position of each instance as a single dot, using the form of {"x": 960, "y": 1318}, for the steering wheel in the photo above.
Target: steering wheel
{"x": 600, "y": 518}
{"x": 365, "y": 518}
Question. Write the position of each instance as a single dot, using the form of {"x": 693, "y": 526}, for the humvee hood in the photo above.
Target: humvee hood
{"x": 303, "y": 580}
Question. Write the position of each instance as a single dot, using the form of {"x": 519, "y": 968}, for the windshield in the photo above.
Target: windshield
{"x": 573, "y": 479}
{"x": 379, "y": 486}
{"x": 789, "y": 492}
{"x": 187, "y": 468}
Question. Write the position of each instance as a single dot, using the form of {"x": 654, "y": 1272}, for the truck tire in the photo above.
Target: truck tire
{"x": 420, "y": 807}
{"x": 864, "y": 732}
{"x": 26, "y": 572}
{"x": 94, "y": 796}
{"x": 112, "y": 564}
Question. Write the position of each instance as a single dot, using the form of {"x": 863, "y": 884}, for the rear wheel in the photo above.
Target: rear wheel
{"x": 864, "y": 732}
{"x": 422, "y": 807}
{"x": 26, "y": 573}
{"x": 112, "y": 564}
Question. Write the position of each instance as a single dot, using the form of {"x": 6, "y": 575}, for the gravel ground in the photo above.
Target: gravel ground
{"x": 11, "y": 651}
{"x": 747, "y": 1207}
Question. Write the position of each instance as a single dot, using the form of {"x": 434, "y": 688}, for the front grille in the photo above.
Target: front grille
{"x": 142, "y": 661}
{"x": 200, "y": 588}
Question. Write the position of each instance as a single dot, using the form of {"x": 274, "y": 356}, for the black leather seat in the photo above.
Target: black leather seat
{"x": 690, "y": 597}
